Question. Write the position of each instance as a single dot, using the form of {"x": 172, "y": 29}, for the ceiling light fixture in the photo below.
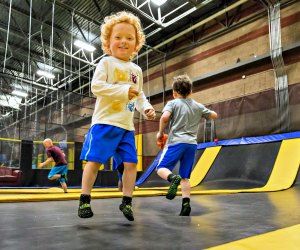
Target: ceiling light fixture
{"x": 158, "y": 2}
{"x": 45, "y": 66}
{"x": 48, "y": 68}
{"x": 84, "y": 45}
{"x": 10, "y": 101}
{"x": 19, "y": 93}
{"x": 45, "y": 74}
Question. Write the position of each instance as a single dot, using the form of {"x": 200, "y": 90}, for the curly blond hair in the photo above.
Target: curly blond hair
{"x": 120, "y": 17}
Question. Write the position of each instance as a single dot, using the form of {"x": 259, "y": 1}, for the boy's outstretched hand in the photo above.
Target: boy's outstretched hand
{"x": 161, "y": 140}
{"x": 150, "y": 114}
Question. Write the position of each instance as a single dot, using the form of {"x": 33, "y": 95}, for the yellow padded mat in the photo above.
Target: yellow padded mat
{"x": 49, "y": 190}
{"x": 203, "y": 165}
{"x": 59, "y": 195}
{"x": 286, "y": 238}
{"x": 283, "y": 174}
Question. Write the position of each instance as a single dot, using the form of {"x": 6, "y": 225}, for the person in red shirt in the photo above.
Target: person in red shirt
{"x": 59, "y": 171}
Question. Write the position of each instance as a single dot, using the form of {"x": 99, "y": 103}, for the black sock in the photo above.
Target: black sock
{"x": 85, "y": 198}
{"x": 185, "y": 200}
{"x": 126, "y": 200}
{"x": 170, "y": 177}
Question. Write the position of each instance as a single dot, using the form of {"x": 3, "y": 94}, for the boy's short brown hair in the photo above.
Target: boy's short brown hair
{"x": 182, "y": 84}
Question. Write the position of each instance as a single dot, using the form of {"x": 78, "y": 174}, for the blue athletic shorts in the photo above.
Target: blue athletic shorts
{"x": 118, "y": 165}
{"x": 103, "y": 141}
{"x": 183, "y": 152}
{"x": 58, "y": 170}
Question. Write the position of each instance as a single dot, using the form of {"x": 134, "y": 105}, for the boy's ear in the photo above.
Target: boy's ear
{"x": 175, "y": 94}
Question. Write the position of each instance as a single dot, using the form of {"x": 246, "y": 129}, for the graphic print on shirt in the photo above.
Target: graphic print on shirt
{"x": 121, "y": 75}
{"x": 133, "y": 79}
{"x": 124, "y": 76}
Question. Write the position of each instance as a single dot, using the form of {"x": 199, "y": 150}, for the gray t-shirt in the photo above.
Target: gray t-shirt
{"x": 185, "y": 119}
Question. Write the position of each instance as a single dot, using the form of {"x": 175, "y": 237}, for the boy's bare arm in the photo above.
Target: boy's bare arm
{"x": 163, "y": 122}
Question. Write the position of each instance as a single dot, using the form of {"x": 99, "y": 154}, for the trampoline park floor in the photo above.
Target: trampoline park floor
{"x": 214, "y": 220}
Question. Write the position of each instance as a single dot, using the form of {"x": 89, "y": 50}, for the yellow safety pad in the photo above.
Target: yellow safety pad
{"x": 286, "y": 238}
{"x": 152, "y": 188}
{"x": 49, "y": 190}
{"x": 139, "y": 151}
{"x": 203, "y": 165}
{"x": 283, "y": 174}
{"x": 286, "y": 166}
{"x": 54, "y": 196}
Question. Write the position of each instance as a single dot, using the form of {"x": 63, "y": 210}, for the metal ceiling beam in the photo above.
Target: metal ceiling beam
{"x": 14, "y": 33}
{"x": 97, "y": 5}
{"x": 61, "y": 30}
{"x": 159, "y": 22}
{"x": 193, "y": 2}
{"x": 78, "y": 27}
{"x": 131, "y": 7}
{"x": 177, "y": 18}
{"x": 26, "y": 80}
{"x": 206, "y": 20}
{"x": 34, "y": 57}
{"x": 73, "y": 10}
{"x": 60, "y": 84}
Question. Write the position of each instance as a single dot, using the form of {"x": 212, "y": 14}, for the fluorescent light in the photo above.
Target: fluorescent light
{"x": 6, "y": 115}
{"x": 48, "y": 68}
{"x": 19, "y": 93}
{"x": 10, "y": 101}
{"x": 84, "y": 45}
{"x": 44, "y": 66}
{"x": 158, "y": 2}
{"x": 45, "y": 74}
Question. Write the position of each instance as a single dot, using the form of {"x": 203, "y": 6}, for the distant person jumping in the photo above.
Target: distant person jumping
{"x": 59, "y": 171}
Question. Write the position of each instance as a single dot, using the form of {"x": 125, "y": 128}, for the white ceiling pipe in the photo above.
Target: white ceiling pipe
{"x": 198, "y": 25}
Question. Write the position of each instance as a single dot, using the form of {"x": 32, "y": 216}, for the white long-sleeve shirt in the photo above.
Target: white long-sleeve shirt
{"x": 110, "y": 84}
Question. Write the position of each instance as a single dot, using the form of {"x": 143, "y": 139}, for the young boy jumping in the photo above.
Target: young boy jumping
{"x": 117, "y": 83}
{"x": 183, "y": 116}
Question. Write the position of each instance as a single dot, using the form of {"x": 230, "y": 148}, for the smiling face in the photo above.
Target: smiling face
{"x": 123, "y": 41}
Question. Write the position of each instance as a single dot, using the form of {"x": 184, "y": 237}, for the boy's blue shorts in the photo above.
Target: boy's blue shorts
{"x": 103, "y": 141}
{"x": 58, "y": 170}
{"x": 118, "y": 165}
{"x": 183, "y": 152}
